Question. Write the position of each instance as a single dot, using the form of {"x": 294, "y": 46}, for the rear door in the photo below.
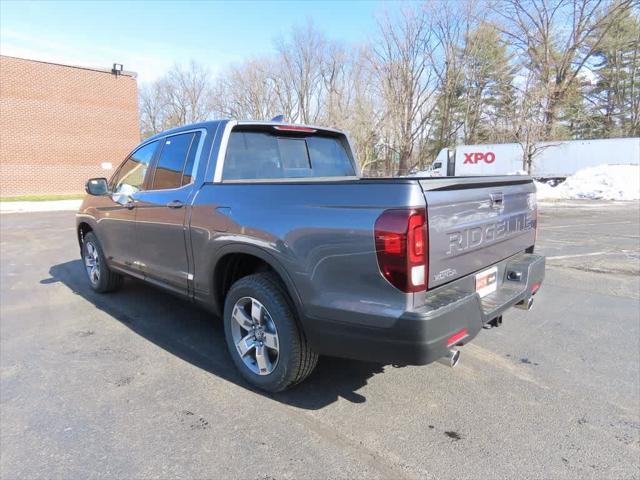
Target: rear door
{"x": 162, "y": 212}
{"x": 475, "y": 222}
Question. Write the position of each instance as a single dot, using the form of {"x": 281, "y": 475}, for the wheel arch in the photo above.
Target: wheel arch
{"x": 246, "y": 260}
{"x": 83, "y": 228}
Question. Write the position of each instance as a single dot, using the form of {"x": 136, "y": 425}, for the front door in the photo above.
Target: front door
{"x": 117, "y": 212}
{"x": 162, "y": 213}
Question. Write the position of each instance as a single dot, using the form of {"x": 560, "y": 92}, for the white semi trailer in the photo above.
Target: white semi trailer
{"x": 554, "y": 160}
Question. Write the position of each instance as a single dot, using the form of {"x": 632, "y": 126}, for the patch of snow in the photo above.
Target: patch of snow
{"x": 546, "y": 191}
{"x": 44, "y": 206}
{"x": 425, "y": 173}
{"x": 604, "y": 182}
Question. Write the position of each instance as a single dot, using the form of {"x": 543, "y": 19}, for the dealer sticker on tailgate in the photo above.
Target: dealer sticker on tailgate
{"x": 486, "y": 282}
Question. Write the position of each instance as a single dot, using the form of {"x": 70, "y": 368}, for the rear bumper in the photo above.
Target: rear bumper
{"x": 420, "y": 336}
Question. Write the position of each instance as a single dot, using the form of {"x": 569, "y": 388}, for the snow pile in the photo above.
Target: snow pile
{"x": 425, "y": 173}
{"x": 546, "y": 191}
{"x": 606, "y": 182}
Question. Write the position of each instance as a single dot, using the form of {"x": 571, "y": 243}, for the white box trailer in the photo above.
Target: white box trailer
{"x": 555, "y": 160}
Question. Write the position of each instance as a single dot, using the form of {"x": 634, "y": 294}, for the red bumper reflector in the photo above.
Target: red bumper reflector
{"x": 456, "y": 337}
{"x": 534, "y": 288}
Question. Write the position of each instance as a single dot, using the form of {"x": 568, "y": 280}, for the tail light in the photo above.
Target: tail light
{"x": 402, "y": 246}
{"x": 294, "y": 128}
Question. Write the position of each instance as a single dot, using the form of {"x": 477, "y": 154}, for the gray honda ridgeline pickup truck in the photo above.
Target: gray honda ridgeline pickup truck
{"x": 270, "y": 226}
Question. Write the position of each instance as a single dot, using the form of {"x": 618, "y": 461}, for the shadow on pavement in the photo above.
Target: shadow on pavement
{"x": 197, "y": 336}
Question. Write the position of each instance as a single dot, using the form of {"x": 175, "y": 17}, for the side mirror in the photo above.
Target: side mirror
{"x": 97, "y": 186}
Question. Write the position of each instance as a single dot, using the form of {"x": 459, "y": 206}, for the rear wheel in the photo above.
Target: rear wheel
{"x": 263, "y": 337}
{"x": 100, "y": 276}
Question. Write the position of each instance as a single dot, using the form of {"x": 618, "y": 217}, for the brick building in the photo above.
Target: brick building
{"x": 62, "y": 124}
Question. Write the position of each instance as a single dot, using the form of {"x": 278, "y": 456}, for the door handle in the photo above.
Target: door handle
{"x": 175, "y": 204}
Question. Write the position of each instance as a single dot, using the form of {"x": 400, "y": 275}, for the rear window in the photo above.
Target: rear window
{"x": 264, "y": 155}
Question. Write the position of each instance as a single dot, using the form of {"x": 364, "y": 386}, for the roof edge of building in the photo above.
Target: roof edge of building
{"x": 126, "y": 73}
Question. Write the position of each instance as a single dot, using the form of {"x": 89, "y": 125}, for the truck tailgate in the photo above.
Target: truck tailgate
{"x": 475, "y": 222}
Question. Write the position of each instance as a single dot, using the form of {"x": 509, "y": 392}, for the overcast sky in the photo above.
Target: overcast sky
{"x": 149, "y": 37}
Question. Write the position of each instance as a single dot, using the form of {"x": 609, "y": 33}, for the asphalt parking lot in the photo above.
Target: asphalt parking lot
{"x": 138, "y": 384}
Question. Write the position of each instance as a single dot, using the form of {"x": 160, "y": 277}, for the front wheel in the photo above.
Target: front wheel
{"x": 263, "y": 337}
{"x": 100, "y": 276}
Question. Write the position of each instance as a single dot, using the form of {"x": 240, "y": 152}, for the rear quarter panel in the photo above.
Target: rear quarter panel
{"x": 320, "y": 234}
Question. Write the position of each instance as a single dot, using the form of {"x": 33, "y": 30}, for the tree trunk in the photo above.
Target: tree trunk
{"x": 550, "y": 114}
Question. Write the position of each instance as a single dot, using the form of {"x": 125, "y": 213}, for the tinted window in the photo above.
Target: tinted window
{"x": 130, "y": 176}
{"x": 262, "y": 155}
{"x": 294, "y": 155}
{"x": 168, "y": 173}
{"x": 329, "y": 157}
{"x": 191, "y": 159}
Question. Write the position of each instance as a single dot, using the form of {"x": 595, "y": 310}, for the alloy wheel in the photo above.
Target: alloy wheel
{"x": 255, "y": 336}
{"x": 92, "y": 262}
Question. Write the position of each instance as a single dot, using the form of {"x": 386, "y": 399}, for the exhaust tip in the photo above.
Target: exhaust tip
{"x": 451, "y": 359}
{"x": 455, "y": 358}
{"x": 525, "y": 304}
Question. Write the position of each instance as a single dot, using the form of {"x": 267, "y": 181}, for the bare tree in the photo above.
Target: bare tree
{"x": 181, "y": 96}
{"x": 529, "y": 125}
{"x": 187, "y": 94}
{"x": 337, "y": 82}
{"x": 401, "y": 60}
{"x": 451, "y": 25}
{"x": 152, "y": 110}
{"x": 247, "y": 91}
{"x": 356, "y": 107}
{"x": 301, "y": 58}
{"x": 287, "y": 97}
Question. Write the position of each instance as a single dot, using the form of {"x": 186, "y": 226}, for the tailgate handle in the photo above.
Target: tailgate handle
{"x": 496, "y": 199}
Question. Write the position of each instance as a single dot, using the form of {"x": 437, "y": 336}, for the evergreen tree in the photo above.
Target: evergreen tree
{"x": 488, "y": 85}
{"x": 448, "y": 113}
{"x": 615, "y": 96}
{"x": 575, "y": 121}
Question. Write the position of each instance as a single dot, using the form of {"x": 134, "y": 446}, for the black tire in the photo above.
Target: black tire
{"x": 106, "y": 280}
{"x": 295, "y": 359}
